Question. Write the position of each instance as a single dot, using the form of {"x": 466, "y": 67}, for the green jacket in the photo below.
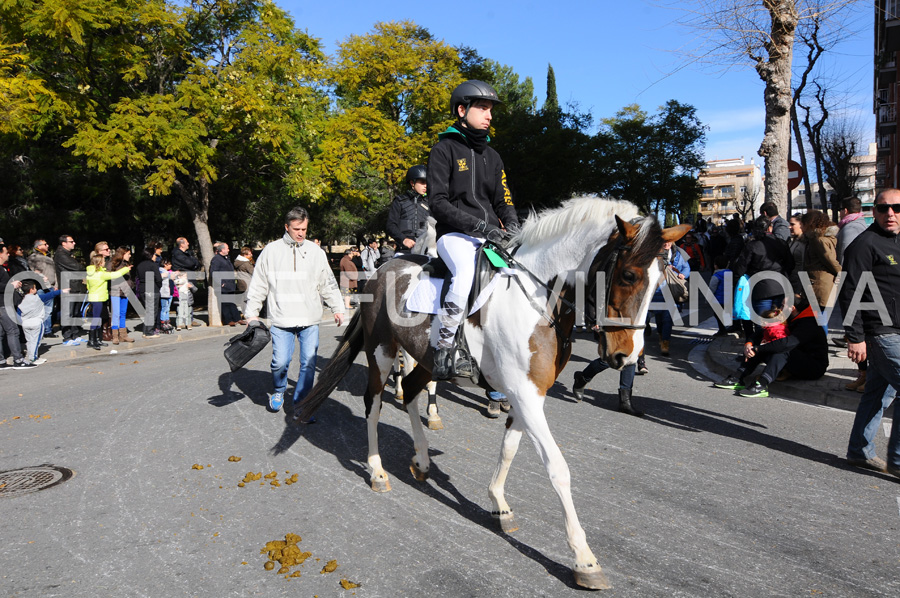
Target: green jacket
{"x": 96, "y": 282}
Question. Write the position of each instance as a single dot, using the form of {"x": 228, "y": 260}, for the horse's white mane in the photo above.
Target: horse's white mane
{"x": 560, "y": 239}
{"x": 574, "y": 214}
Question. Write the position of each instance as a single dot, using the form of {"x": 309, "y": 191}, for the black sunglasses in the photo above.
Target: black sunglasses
{"x": 882, "y": 208}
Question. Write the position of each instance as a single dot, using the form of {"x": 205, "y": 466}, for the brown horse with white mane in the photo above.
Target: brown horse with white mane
{"x": 519, "y": 338}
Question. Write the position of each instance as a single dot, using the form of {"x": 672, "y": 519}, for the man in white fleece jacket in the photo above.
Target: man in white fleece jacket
{"x": 293, "y": 276}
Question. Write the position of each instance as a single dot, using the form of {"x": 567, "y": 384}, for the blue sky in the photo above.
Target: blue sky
{"x": 606, "y": 54}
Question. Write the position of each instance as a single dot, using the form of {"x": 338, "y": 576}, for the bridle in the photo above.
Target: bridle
{"x": 607, "y": 265}
{"x": 603, "y": 261}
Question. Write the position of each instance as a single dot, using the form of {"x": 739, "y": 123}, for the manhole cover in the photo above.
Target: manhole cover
{"x": 31, "y": 479}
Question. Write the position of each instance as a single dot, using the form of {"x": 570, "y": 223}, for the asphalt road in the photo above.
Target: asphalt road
{"x": 709, "y": 495}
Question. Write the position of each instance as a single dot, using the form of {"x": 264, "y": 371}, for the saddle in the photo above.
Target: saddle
{"x": 489, "y": 262}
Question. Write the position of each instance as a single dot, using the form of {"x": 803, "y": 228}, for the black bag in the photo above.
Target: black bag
{"x": 243, "y": 347}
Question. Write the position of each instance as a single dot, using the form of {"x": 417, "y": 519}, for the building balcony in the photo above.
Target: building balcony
{"x": 887, "y": 117}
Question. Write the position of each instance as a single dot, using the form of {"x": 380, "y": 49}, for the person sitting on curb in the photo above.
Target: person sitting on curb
{"x": 802, "y": 354}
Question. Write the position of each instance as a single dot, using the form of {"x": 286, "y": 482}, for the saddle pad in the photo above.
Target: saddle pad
{"x": 426, "y": 296}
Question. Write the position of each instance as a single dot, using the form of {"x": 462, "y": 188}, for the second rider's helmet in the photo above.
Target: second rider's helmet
{"x": 416, "y": 172}
{"x": 468, "y": 92}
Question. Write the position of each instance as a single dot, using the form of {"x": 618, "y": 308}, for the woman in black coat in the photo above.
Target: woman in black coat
{"x": 148, "y": 282}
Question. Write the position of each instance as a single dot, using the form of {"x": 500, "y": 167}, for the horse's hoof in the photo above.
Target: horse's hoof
{"x": 591, "y": 577}
{"x": 381, "y": 485}
{"x": 420, "y": 475}
{"x": 507, "y": 521}
{"x": 435, "y": 423}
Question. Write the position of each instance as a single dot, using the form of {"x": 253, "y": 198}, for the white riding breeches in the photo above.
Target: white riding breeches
{"x": 459, "y": 254}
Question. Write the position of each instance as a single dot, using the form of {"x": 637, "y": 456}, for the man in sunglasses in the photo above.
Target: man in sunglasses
{"x": 872, "y": 265}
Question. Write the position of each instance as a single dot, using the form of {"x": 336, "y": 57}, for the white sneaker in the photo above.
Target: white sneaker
{"x": 39, "y": 361}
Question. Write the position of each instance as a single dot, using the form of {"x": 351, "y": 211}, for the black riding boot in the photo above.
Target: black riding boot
{"x": 93, "y": 341}
{"x": 444, "y": 368}
{"x": 625, "y": 403}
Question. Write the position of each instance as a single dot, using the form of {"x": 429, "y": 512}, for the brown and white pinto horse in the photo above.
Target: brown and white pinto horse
{"x": 520, "y": 338}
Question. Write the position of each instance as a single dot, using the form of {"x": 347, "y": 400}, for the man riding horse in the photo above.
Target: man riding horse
{"x": 470, "y": 202}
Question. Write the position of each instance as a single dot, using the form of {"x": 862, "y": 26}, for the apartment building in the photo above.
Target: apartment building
{"x": 729, "y": 187}
{"x": 887, "y": 46}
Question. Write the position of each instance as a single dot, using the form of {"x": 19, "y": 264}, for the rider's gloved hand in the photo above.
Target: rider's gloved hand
{"x": 498, "y": 236}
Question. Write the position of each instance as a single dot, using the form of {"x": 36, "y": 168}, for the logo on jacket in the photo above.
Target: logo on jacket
{"x": 461, "y": 163}
{"x": 891, "y": 260}
{"x": 507, "y": 196}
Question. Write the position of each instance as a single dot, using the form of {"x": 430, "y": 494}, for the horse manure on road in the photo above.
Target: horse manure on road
{"x": 271, "y": 477}
{"x": 287, "y": 554}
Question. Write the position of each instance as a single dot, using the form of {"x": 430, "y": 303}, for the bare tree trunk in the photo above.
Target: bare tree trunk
{"x": 802, "y": 151}
{"x": 197, "y": 200}
{"x": 775, "y": 71}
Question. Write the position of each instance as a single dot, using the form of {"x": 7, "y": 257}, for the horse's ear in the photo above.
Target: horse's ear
{"x": 676, "y": 232}
{"x": 626, "y": 229}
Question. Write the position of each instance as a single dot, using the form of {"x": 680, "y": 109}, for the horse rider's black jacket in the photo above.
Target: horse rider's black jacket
{"x": 407, "y": 216}
{"x": 877, "y": 251}
{"x": 466, "y": 188}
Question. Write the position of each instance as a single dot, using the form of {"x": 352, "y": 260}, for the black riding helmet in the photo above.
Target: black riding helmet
{"x": 416, "y": 172}
{"x": 466, "y": 93}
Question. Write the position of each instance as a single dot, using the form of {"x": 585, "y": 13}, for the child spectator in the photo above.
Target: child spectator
{"x": 31, "y": 310}
{"x": 717, "y": 286}
{"x": 774, "y": 330}
{"x": 184, "y": 287}
{"x": 165, "y": 295}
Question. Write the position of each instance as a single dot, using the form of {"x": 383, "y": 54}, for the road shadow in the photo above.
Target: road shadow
{"x": 343, "y": 435}
{"x": 252, "y": 384}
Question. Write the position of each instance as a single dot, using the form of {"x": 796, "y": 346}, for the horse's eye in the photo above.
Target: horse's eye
{"x": 629, "y": 276}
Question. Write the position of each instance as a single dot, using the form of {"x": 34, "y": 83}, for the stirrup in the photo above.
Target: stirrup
{"x": 451, "y": 362}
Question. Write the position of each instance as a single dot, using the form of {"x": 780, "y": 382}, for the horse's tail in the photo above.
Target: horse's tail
{"x": 341, "y": 360}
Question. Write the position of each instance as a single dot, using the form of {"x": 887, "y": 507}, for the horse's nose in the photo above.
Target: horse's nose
{"x": 618, "y": 360}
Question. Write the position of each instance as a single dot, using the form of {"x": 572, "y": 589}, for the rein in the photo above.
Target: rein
{"x": 608, "y": 264}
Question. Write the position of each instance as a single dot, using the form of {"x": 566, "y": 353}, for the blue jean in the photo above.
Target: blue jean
{"x": 283, "y": 351}
{"x": 626, "y": 374}
{"x": 165, "y": 305}
{"x": 119, "y": 309}
{"x": 663, "y": 323}
{"x": 48, "y": 297}
{"x": 882, "y": 380}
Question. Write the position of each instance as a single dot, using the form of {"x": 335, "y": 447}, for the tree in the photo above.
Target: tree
{"x": 652, "y": 161}
{"x": 249, "y": 87}
{"x": 393, "y": 87}
{"x": 551, "y": 104}
{"x": 841, "y": 143}
{"x": 764, "y": 31}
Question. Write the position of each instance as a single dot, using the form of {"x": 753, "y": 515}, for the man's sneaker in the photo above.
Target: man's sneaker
{"x": 755, "y": 391}
{"x": 875, "y": 463}
{"x": 495, "y": 403}
{"x": 578, "y": 386}
{"x": 39, "y": 361}
{"x": 731, "y": 383}
{"x": 72, "y": 342}
{"x": 276, "y": 401}
{"x": 23, "y": 365}
{"x": 642, "y": 366}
